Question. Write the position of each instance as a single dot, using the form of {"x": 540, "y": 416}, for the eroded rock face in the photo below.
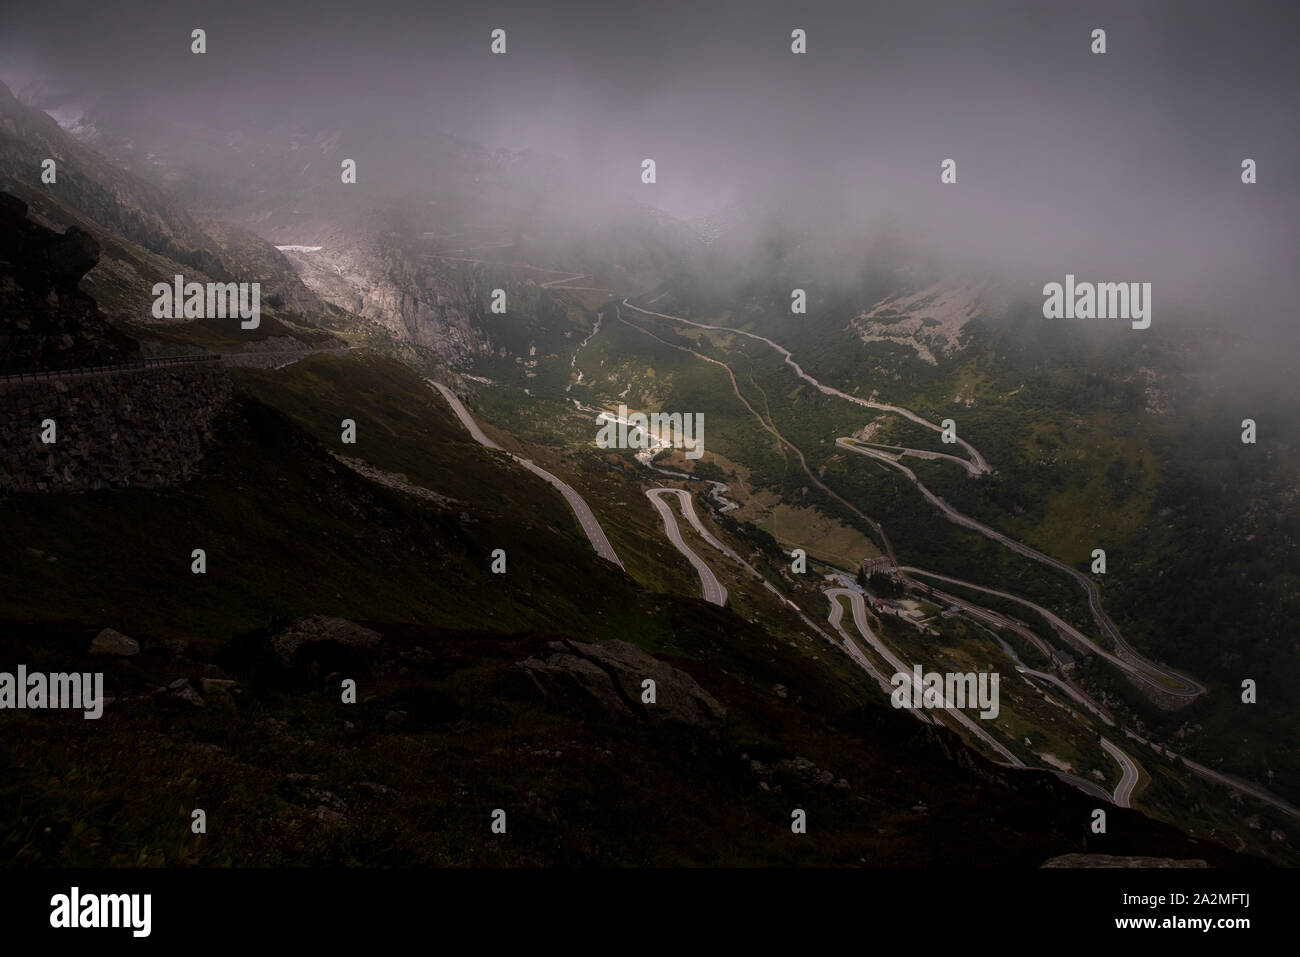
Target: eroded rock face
{"x": 45, "y": 322}
{"x": 419, "y": 300}
{"x": 70, "y": 257}
{"x": 608, "y": 677}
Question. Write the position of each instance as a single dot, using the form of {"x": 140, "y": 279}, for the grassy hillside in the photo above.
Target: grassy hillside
{"x": 442, "y": 732}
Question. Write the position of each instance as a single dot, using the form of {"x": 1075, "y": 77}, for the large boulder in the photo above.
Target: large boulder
{"x": 110, "y": 642}
{"x": 46, "y": 322}
{"x": 71, "y": 256}
{"x": 307, "y": 636}
{"x": 309, "y": 649}
{"x": 305, "y": 651}
{"x": 608, "y": 677}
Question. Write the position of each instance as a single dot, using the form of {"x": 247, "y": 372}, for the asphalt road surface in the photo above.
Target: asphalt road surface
{"x": 1128, "y": 774}
{"x": 860, "y": 619}
{"x": 1182, "y": 685}
{"x": 978, "y": 459}
{"x": 714, "y": 591}
{"x": 1148, "y": 671}
{"x": 586, "y": 518}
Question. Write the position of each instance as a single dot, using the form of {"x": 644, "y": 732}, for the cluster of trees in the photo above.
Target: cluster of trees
{"x": 881, "y": 583}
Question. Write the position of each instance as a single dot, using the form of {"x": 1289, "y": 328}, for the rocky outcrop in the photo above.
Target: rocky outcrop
{"x": 110, "y": 642}
{"x": 306, "y": 638}
{"x": 425, "y": 302}
{"x": 180, "y": 691}
{"x": 303, "y": 652}
{"x": 1108, "y": 860}
{"x": 45, "y": 322}
{"x": 130, "y": 215}
{"x": 928, "y": 320}
{"x": 608, "y": 677}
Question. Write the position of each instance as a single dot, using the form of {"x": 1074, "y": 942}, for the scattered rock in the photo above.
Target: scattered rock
{"x": 607, "y": 676}
{"x": 1108, "y": 860}
{"x": 317, "y": 630}
{"x": 303, "y": 652}
{"x": 330, "y": 808}
{"x": 213, "y": 686}
{"x": 110, "y": 642}
{"x": 327, "y": 815}
{"x": 802, "y": 769}
{"x": 182, "y": 690}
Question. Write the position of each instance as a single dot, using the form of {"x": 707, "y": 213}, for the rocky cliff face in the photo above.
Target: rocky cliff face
{"x": 371, "y": 274}
{"x": 45, "y": 322}
{"x": 144, "y": 234}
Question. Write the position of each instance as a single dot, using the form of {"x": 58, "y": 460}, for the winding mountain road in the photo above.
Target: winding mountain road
{"x": 1070, "y": 690}
{"x": 1128, "y": 768}
{"x": 767, "y": 427}
{"x": 978, "y": 460}
{"x": 714, "y": 591}
{"x": 864, "y": 628}
{"x": 1128, "y": 774}
{"x": 971, "y": 468}
{"x": 1162, "y": 678}
{"x": 1228, "y": 780}
{"x": 1063, "y": 627}
{"x": 1188, "y": 687}
{"x": 1169, "y": 681}
{"x": 586, "y": 518}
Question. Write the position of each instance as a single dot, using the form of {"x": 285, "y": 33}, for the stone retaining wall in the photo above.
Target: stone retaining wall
{"x": 113, "y": 430}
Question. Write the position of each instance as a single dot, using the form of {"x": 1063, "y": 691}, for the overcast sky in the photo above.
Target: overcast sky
{"x": 1127, "y": 164}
